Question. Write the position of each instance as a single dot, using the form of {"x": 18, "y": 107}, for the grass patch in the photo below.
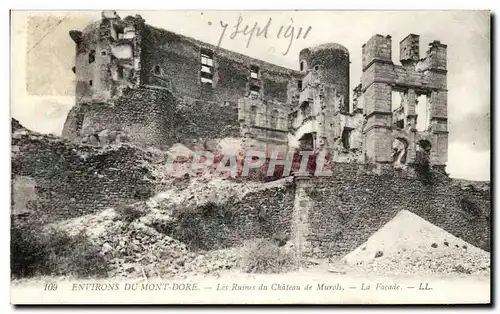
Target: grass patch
{"x": 204, "y": 227}
{"x": 263, "y": 256}
{"x": 39, "y": 252}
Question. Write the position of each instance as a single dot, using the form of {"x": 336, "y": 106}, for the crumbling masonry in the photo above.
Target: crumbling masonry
{"x": 158, "y": 88}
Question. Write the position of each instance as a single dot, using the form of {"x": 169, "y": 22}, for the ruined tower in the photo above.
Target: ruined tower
{"x": 323, "y": 95}
{"x": 405, "y": 106}
{"x": 107, "y": 57}
{"x": 329, "y": 64}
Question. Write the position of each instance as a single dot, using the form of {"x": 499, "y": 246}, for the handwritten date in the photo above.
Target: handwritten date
{"x": 240, "y": 29}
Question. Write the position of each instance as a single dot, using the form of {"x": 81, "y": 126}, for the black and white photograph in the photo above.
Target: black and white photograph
{"x": 250, "y": 157}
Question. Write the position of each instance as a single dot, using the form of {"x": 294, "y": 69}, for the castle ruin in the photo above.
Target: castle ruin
{"x": 152, "y": 87}
{"x": 161, "y": 88}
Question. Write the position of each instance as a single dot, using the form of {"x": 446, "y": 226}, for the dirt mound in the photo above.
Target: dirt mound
{"x": 409, "y": 244}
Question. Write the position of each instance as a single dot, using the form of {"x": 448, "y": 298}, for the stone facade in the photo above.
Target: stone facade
{"x": 390, "y": 95}
{"x": 268, "y": 106}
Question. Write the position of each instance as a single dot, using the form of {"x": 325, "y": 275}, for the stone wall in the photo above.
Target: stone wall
{"x": 349, "y": 207}
{"x": 72, "y": 180}
{"x": 265, "y": 213}
{"x": 152, "y": 116}
{"x": 144, "y": 114}
{"x": 331, "y": 216}
{"x": 269, "y": 209}
{"x": 174, "y": 61}
{"x": 197, "y": 119}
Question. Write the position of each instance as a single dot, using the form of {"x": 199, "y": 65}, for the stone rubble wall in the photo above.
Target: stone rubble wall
{"x": 353, "y": 204}
{"x": 73, "y": 180}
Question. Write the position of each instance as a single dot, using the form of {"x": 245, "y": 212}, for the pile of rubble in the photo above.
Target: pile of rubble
{"x": 135, "y": 248}
{"x": 139, "y": 250}
{"x": 409, "y": 244}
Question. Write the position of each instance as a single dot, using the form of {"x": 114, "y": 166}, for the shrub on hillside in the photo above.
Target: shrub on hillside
{"x": 280, "y": 238}
{"x": 201, "y": 227}
{"x": 263, "y": 256}
{"x": 53, "y": 252}
{"x": 129, "y": 213}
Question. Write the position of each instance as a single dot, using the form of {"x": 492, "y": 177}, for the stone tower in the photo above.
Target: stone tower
{"x": 405, "y": 106}
{"x": 330, "y": 65}
{"x": 107, "y": 57}
{"x": 323, "y": 96}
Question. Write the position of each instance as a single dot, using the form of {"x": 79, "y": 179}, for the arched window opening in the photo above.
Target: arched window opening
{"x": 157, "y": 70}
{"x": 303, "y": 66}
{"x": 399, "y": 152}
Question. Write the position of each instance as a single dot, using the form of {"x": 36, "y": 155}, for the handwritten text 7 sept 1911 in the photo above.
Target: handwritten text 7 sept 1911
{"x": 283, "y": 32}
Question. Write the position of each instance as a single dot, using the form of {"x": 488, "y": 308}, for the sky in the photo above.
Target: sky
{"x": 43, "y": 55}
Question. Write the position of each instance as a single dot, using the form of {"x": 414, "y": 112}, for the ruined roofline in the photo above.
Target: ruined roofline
{"x": 409, "y": 35}
{"x": 270, "y": 67}
{"x": 432, "y": 43}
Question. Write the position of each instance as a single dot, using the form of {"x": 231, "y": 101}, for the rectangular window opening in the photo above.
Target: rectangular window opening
{"x": 400, "y": 124}
{"x": 346, "y": 140}
{"x": 207, "y": 64}
{"x": 395, "y": 100}
{"x": 206, "y": 69}
{"x": 206, "y": 80}
{"x": 254, "y": 72}
{"x": 119, "y": 72}
{"x": 422, "y": 111}
{"x": 299, "y": 85}
{"x": 254, "y": 91}
{"x": 207, "y": 57}
{"x": 206, "y": 75}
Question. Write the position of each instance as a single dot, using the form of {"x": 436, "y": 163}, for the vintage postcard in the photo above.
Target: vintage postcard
{"x": 250, "y": 157}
